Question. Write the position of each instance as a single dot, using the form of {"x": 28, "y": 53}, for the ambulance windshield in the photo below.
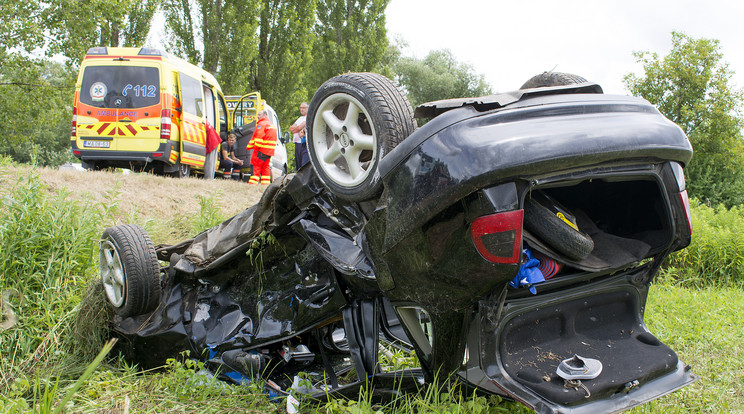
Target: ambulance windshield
{"x": 120, "y": 86}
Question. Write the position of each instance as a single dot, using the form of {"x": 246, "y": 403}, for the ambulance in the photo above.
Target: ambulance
{"x": 146, "y": 110}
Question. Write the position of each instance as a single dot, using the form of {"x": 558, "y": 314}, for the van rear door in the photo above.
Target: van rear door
{"x": 244, "y": 114}
{"x": 193, "y": 121}
{"x": 119, "y": 108}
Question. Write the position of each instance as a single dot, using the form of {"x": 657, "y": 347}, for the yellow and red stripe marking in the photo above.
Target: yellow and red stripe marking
{"x": 112, "y": 128}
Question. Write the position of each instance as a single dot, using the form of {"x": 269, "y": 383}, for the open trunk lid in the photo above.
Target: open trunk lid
{"x": 519, "y": 352}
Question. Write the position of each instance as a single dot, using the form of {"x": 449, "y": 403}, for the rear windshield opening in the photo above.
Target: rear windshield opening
{"x": 120, "y": 86}
{"x": 626, "y": 220}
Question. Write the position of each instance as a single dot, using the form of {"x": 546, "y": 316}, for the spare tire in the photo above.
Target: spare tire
{"x": 353, "y": 121}
{"x": 548, "y": 79}
{"x": 557, "y": 233}
{"x": 130, "y": 270}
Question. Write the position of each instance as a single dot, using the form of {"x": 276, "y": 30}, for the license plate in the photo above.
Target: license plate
{"x": 97, "y": 144}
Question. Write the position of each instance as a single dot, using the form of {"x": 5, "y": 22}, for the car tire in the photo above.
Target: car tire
{"x": 129, "y": 270}
{"x": 572, "y": 243}
{"x": 353, "y": 121}
{"x": 548, "y": 79}
{"x": 182, "y": 170}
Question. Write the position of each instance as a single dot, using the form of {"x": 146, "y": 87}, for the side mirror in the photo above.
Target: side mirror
{"x": 286, "y": 137}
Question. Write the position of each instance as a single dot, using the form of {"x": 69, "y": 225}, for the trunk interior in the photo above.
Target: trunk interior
{"x": 628, "y": 221}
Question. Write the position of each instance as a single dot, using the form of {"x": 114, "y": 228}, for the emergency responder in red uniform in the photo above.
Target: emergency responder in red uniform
{"x": 263, "y": 143}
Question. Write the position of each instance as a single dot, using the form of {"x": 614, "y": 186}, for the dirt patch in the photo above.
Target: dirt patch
{"x": 142, "y": 197}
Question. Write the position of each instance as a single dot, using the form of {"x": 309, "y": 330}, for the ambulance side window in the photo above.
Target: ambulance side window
{"x": 209, "y": 105}
{"x": 222, "y": 113}
{"x": 191, "y": 94}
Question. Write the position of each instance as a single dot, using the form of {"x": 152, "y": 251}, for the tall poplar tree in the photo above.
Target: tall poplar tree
{"x": 75, "y": 26}
{"x": 284, "y": 58}
{"x": 218, "y": 35}
{"x": 350, "y": 37}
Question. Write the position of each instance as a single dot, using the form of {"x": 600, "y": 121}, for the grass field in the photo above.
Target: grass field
{"x": 58, "y": 331}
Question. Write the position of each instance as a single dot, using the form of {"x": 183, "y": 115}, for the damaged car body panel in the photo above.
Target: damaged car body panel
{"x": 509, "y": 236}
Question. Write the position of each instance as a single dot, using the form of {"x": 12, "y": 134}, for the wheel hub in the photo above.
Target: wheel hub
{"x": 344, "y": 140}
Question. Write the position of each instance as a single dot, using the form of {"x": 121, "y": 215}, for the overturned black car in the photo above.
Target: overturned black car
{"x": 510, "y": 241}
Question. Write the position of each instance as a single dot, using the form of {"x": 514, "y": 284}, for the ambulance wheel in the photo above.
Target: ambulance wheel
{"x": 182, "y": 170}
{"x": 130, "y": 271}
{"x": 353, "y": 121}
{"x": 547, "y": 79}
{"x": 89, "y": 166}
{"x": 571, "y": 242}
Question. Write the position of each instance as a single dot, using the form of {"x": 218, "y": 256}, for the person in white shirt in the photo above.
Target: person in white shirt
{"x": 299, "y": 138}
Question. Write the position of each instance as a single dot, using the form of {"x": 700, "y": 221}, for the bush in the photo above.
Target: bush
{"x": 716, "y": 255}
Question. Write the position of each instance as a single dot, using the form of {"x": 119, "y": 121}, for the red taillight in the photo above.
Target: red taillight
{"x": 686, "y": 204}
{"x": 165, "y": 124}
{"x": 74, "y": 121}
{"x": 498, "y": 237}
{"x": 157, "y": 154}
{"x": 76, "y": 152}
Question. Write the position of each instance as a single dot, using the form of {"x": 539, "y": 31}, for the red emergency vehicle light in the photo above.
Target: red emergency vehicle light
{"x": 165, "y": 124}
{"x": 74, "y": 121}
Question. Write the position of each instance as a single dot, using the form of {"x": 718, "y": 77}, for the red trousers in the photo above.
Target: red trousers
{"x": 261, "y": 168}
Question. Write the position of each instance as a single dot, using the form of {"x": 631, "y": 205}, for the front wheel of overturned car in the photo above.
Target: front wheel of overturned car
{"x": 353, "y": 121}
{"x": 130, "y": 271}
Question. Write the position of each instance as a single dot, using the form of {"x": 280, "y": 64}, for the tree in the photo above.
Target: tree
{"x": 439, "y": 76}
{"x": 284, "y": 46}
{"x": 226, "y": 32}
{"x": 691, "y": 86}
{"x": 35, "y": 99}
{"x": 350, "y": 37}
{"x": 75, "y": 26}
{"x": 261, "y": 45}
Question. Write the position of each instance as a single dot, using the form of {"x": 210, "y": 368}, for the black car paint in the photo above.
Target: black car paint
{"x": 336, "y": 259}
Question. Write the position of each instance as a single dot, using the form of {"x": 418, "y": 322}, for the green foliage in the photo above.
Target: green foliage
{"x": 227, "y": 31}
{"x": 209, "y": 213}
{"x": 47, "y": 246}
{"x": 21, "y": 25}
{"x": 715, "y": 256}
{"x": 284, "y": 45}
{"x": 350, "y": 37}
{"x": 35, "y": 97}
{"x": 75, "y": 26}
{"x": 439, "y": 76}
{"x": 704, "y": 327}
{"x": 691, "y": 86}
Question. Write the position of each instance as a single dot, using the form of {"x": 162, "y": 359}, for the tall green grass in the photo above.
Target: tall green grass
{"x": 54, "y": 320}
{"x": 47, "y": 254}
{"x": 715, "y": 256}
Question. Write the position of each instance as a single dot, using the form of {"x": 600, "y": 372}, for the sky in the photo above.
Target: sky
{"x": 509, "y": 41}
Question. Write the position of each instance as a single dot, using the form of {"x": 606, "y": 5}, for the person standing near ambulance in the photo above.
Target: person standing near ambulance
{"x": 263, "y": 143}
{"x": 299, "y": 138}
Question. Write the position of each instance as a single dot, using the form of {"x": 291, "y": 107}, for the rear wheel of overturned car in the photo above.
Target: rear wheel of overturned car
{"x": 130, "y": 271}
{"x": 353, "y": 121}
{"x": 559, "y": 235}
{"x": 548, "y": 79}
